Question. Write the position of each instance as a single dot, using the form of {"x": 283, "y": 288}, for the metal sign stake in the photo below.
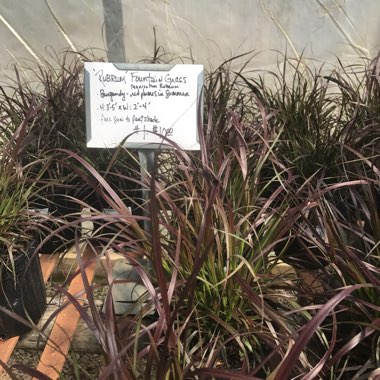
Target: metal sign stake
{"x": 146, "y": 158}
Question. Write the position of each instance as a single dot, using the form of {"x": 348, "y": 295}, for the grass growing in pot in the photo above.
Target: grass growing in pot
{"x": 60, "y": 124}
{"x": 63, "y": 87}
{"x": 331, "y": 146}
{"x": 222, "y": 234}
{"x": 57, "y": 85}
{"x": 354, "y": 328}
{"x": 316, "y": 120}
{"x": 22, "y": 293}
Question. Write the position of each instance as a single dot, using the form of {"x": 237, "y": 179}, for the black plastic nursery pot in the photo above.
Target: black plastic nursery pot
{"x": 60, "y": 210}
{"x": 109, "y": 228}
{"x": 22, "y": 292}
{"x": 300, "y": 254}
{"x": 131, "y": 196}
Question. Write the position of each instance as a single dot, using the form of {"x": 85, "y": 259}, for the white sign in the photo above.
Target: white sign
{"x": 138, "y": 104}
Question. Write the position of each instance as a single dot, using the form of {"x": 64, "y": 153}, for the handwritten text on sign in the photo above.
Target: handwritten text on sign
{"x": 142, "y": 103}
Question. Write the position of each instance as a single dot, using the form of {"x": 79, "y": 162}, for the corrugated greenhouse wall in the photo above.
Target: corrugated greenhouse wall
{"x": 208, "y": 30}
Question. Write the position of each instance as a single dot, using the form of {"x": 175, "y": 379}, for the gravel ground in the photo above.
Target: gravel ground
{"x": 88, "y": 365}
{"x": 78, "y": 366}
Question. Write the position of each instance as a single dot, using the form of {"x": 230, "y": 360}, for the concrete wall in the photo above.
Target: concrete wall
{"x": 212, "y": 30}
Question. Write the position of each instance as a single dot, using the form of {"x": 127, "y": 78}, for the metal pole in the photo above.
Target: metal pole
{"x": 146, "y": 157}
{"x": 114, "y": 28}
